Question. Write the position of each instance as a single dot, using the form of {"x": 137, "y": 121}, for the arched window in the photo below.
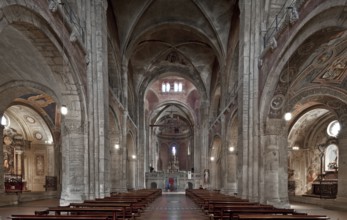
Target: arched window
{"x": 4, "y": 121}
{"x": 163, "y": 87}
{"x": 180, "y": 89}
{"x": 176, "y": 87}
{"x": 173, "y": 150}
{"x": 333, "y": 128}
{"x": 331, "y": 158}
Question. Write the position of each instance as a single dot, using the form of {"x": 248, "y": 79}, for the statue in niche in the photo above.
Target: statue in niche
{"x": 206, "y": 176}
{"x": 8, "y": 151}
{"x": 331, "y": 158}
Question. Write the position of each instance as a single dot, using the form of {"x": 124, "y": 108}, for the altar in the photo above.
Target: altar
{"x": 327, "y": 186}
{"x": 172, "y": 182}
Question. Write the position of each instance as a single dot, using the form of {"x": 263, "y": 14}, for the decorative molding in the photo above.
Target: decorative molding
{"x": 277, "y": 102}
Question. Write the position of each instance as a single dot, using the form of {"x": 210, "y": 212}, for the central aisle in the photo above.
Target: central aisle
{"x": 172, "y": 207}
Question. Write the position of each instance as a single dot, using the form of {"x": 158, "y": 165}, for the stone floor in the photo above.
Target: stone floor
{"x": 167, "y": 207}
{"x": 173, "y": 207}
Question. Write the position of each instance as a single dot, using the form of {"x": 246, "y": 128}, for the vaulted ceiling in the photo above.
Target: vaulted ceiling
{"x": 184, "y": 40}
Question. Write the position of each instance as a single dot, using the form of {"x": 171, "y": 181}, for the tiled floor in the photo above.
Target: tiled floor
{"x": 167, "y": 207}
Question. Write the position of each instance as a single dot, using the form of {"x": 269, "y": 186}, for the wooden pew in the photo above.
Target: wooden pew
{"x": 280, "y": 217}
{"x": 136, "y": 205}
{"x": 218, "y": 211}
{"x": 232, "y": 213}
{"x": 219, "y": 206}
{"x": 114, "y": 212}
{"x": 58, "y": 217}
{"x": 127, "y": 207}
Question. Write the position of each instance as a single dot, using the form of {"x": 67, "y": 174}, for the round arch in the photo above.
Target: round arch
{"x": 26, "y": 30}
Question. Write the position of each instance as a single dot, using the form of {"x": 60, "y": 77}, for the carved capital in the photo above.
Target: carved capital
{"x": 260, "y": 63}
{"x": 53, "y": 6}
{"x": 74, "y": 127}
{"x": 275, "y": 127}
{"x": 273, "y": 43}
{"x": 293, "y": 14}
{"x": 73, "y": 35}
{"x": 87, "y": 60}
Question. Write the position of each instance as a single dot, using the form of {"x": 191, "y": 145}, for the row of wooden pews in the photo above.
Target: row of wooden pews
{"x": 220, "y": 206}
{"x": 117, "y": 206}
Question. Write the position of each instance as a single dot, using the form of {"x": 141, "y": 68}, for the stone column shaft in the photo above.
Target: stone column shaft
{"x": 97, "y": 92}
{"x": 342, "y": 176}
{"x": 2, "y": 180}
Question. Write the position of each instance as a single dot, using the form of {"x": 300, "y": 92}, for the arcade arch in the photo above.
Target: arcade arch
{"x": 29, "y": 151}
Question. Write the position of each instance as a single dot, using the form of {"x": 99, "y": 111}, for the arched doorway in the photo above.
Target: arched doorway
{"x": 153, "y": 185}
{"x": 313, "y": 154}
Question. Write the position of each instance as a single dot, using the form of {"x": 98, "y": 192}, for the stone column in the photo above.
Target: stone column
{"x": 224, "y": 155}
{"x": 74, "y": 167}
{"x": 342, "y": 176}
{"x": 97, "y": 97}
{"x": 248, "y": 115}
{"x": 229, "y": 165}
{"x": 142, "y": 145}
{"x": 201, "y": 140}
{"x": 274, "y": 167}
{"x": 2, "y": 180}
{"x": 124, "y": 150}
{"x": 57, "y": 155}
